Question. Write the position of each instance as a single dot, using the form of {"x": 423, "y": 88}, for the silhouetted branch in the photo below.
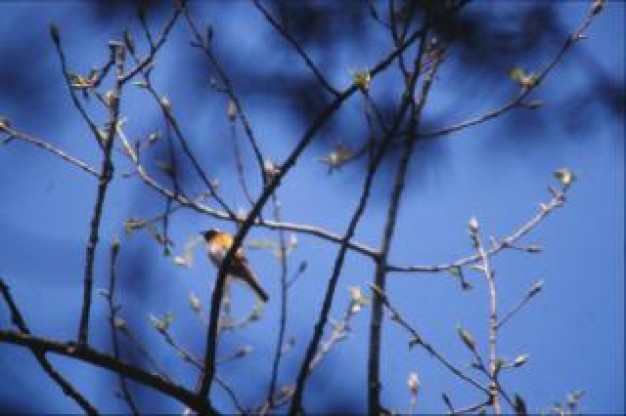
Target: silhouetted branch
{"x": 284, "y": 288}
{"x": 289, "y": 38}
{"x": 296, "y": 404}
{"x": 218, "y": 291}
{"x": 18, "y": 320}
{"x": 418, "y": 341}
{"x": 115, "y": 323}
{"x": 527, "y": 87}
{"x": 380, "y": 275}
{"x": 99, "y": 359}
{"x": 205, "y": 46}
{"x": 105, "y": 177}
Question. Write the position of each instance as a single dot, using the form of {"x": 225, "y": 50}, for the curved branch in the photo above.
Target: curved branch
{"x": 99, "y": 359}
{"x": 66, "y": 386}
{"x": 526, "y": 90}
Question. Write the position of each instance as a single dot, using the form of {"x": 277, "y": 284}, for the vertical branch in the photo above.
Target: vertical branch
{"x": 374, "y": 163}
{"x": 296, "y": 404}
{"x": 105, "y": 177}
{"x": 115, "y": 323}
{"x": 493, "y": 316}
{"x": 380, "y": 276}
{"x": 204, "y": 45}
{"x": 309, "y": 134}
{"x": 232, "y": 113}
{"x": 284, "y": 271}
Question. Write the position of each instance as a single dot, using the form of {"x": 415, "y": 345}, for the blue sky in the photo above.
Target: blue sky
{"x": 573, "y": 330}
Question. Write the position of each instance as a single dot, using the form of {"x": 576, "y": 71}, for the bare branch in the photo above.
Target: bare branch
{"x": 252, "y": 216}
{"x": 418, "y": 341}
{"x": 50, "y": 148}
{"x": 490, "y": 276}
{"x": 40, "y": 356}
{"x": 516, "y": 101}
{"x": 380, "y": 274}
{"x": 146, "y": 62}
{"x": 115, "y": 323}
{"x": 289, "y": 38}
{"x": 99, "y": 359}
{"x": 105, "y": 177}
{"x": 229, "y": 89}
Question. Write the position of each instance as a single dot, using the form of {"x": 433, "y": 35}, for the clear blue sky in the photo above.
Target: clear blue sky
{"x": 573, "y": 330}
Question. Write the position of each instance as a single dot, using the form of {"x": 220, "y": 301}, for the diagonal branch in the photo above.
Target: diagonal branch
{"x": 15, "y": 134}
{"x": 99, "y": 359}
{"x": 218, "y": 291}
{"x": 66, "y": 386}
{"x": 229, "y": 89}
{"x": 417, "y": 340}
{"x": 296, "y": 404}
{"x": 516, "y": 101}
{"x": 374, "y": 387}
{"x": 289, "y": 38}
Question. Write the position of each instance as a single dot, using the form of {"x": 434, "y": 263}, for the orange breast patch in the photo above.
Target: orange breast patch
{"x": 224, "y": 240}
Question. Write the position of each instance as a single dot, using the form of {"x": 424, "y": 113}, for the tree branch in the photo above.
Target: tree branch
{"x": 40, "y": 356}
{"x": 99, "y": 359}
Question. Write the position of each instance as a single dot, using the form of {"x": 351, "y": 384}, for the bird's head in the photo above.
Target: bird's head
{"x": 210, "y": 234}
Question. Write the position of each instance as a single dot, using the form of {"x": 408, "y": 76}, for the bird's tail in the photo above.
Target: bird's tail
{"x": 246, "y": 274}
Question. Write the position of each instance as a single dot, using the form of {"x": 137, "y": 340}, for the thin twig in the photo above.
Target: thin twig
{"x": 534, "y": 290}
{"x": 291, "y": 40}
{"x": 169, "y": 116}
{"x": 114, "y": 323}
{"x": 545, "y": 209}
{"x": 144, "y": 353}
{"x": 284, "y": 288}
{"x": 339, "y": 332}
{"x": 239, "y": 162}
{"x": 417, "y": 340}
{"x": 205, "y": 46}
{"x": 197, "y": 363}
{"x": 516, "y": 101}
{"x": 471, "y": 408}
{"x": 146, "y": 62}
{"x": 50, "y": 148}
{"x": 68, "y": 81}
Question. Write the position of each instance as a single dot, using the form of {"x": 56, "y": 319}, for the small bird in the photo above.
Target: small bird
{"x": 219, "y": 243}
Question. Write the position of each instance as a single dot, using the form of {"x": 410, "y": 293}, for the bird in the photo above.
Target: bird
{"x": 219, "y": 242}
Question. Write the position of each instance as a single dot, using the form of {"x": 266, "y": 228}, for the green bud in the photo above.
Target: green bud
{"x": 466, "y": 337}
